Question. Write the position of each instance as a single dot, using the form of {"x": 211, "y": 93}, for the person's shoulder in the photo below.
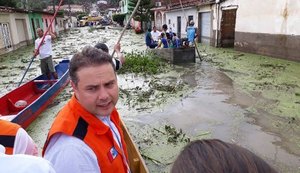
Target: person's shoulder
{"x": 65, "y": 144}
{"x": 70, "y": 153}
{"x": 19, "y": 163}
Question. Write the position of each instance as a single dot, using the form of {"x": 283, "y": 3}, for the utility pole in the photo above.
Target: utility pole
{"x": 70, "y": 19}
{"x": 54, "y": 12}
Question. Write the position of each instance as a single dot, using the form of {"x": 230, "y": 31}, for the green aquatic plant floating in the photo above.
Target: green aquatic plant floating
{"x": 140, "y": 62}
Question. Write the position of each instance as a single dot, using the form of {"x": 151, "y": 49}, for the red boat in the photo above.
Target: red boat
{"x": 23, "y": 104}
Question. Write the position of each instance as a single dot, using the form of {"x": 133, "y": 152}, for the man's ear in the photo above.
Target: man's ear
{"x": 73, "y": 85}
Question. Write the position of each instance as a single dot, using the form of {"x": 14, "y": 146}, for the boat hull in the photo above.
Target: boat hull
{"x": 37, "y": 94}
{"x": 136, "y": 161}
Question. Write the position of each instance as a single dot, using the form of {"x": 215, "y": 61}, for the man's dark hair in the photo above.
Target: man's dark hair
{"x": 165, "y": 26}
{"x": 102, "y": 46}
{"x": 89, "y": 56}
{"x": 213, "y": 155}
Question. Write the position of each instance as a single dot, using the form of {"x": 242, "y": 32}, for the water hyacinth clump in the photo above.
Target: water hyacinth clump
{"x": 142, "y": 62}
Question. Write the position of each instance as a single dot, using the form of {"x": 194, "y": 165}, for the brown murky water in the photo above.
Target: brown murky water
{"x": 205, "y": 103}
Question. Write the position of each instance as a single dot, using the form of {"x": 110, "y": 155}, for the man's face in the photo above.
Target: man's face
{"x": 97, "y": 89}
{"x": 40, "y": 32}
{"x": 154, "y": 29}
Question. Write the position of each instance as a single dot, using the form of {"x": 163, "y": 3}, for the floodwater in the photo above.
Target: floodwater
{"x": 203, "y": 100}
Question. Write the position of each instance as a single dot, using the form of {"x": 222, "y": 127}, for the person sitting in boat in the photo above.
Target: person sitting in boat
{"x": 149, "y": 40}
{"x": 16, "y": 140}
{"x": 45, "y": 52}
{"x": 86, "y": 135}
{"x": 155, "y": 35}
{"x": 22, "y": 163}
{"x": 213, "y": 155}
{"x": 121, "y": 59}
{"x": 176, "y": 41}
{"x": 164, "y": 41}
{"x": 191, "y": 33}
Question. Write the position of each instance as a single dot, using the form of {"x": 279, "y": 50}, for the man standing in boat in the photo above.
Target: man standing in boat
{"x": 191, "y": 33}
{"x": 86, "y": 135}
{"x": 45, "y": 52}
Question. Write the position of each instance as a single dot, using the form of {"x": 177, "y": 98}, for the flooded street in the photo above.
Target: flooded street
{"x": 226, "y": 96}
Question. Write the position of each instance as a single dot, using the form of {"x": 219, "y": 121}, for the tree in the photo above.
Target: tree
{"x": 10, "y": 3}
{"x": 143, "y": 13}
{"x": 36, "y": 4}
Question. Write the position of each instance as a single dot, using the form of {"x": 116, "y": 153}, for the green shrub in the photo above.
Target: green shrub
{"x": 142, "y": 63}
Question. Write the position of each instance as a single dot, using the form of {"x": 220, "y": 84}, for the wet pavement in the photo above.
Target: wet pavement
{"x": 211, "y": 102}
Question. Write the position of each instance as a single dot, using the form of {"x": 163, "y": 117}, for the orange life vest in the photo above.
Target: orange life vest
{"x": 74, "y": 120}
{"x": 8, "y": 132}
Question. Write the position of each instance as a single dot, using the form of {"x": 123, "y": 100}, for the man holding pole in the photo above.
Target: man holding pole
{"x": 45, "y": 52}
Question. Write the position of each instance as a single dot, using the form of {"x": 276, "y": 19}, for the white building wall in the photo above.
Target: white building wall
{"x": 13, "y": 26}
{"x": 269, "y": 16}
{"x": 171, "y": 19}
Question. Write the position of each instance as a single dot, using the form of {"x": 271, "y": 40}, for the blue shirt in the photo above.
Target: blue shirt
{"x": 148, "y": 39}
{"x": 164, "y": 41}
{"x": 176, "y": 43}
{"x": 191, "y": 31}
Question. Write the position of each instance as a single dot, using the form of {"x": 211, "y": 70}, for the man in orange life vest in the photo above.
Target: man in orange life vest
{"x": 86, "y": 135}
{"x": 16, "y": 140}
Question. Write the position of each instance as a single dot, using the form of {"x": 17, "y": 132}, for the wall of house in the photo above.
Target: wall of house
{"x": 15, "y": 31}
{"x": 159, "y": 18}
{"x": 171, "y": 19}
{"x": 207, "y": 29}
{"x": 36, "y": 18}
{"x": 46, "y": 23}
{"x": 269, "y": 27}
{"x": 20, "y": 30}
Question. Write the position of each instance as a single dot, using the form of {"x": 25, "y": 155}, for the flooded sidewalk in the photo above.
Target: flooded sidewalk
{"x": 250, "y": 100}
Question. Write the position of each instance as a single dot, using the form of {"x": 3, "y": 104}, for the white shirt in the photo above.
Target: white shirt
{"x": 70, "y": 154}
{"x": 21, "y": 163}
{"x": 155, "y": 35}
{"x": 24, "y": 144}
{"x": 46, "y": 47}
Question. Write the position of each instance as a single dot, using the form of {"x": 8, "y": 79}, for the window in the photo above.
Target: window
{"x": 5, "y": 35}
{"x": 169, "y": 21}
{"x": 37, "y": 23}
{"x": 157, "y": 4}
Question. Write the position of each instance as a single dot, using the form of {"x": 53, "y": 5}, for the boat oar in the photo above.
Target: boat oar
{"x": 124, "y": 29}
{"x": 38, "y": 48}
{"x": 26, "y": 70}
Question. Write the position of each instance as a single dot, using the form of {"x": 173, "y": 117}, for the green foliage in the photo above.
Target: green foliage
{"x": 143, "y": 13}
{"x": 119, "y": 18}
{"x": 36, "y": 4}
{"x": 10, "y": 3}
{"x": 142, "y": 63}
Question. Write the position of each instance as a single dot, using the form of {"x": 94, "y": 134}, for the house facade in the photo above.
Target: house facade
{"x": 14, "y": 29}
{"x": 18, "y": 27}
{"x": 263, "y": 27}
{"x": 271, "y": 28}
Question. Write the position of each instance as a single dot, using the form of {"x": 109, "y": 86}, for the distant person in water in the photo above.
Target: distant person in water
{"x": 216, "y": 156}
{"x": 45, "y": 52}
{"x": 121, "y": 59}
